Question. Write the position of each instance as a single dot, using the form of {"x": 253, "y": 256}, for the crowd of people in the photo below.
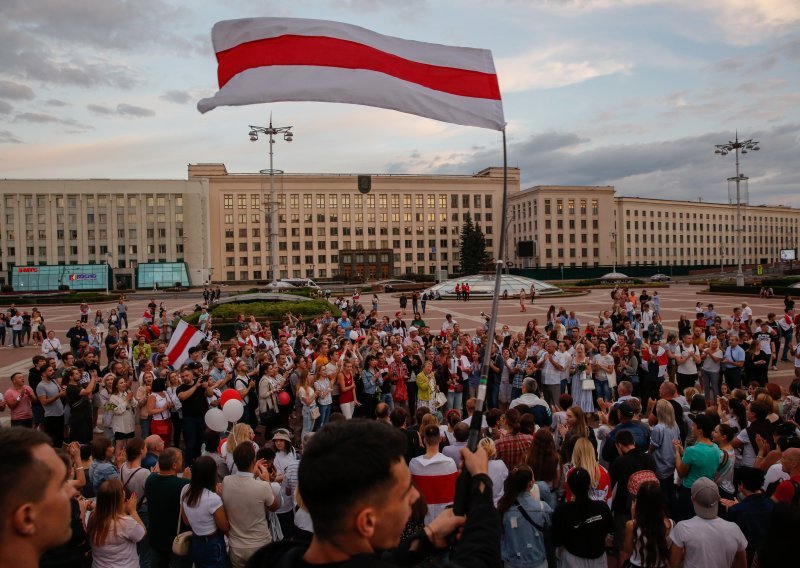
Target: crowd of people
{"x": 610, "y": 442}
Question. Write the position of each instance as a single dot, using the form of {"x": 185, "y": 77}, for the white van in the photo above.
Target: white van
{"x": 301, "y": 282}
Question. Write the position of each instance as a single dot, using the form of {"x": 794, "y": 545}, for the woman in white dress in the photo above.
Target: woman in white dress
{"x": 581, "y": 375}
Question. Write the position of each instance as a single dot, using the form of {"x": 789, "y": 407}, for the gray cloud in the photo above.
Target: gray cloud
{"x": 5, "y": 108}
{"x": 7, "y": 137}
{"x": 174, "y": 96}
{"x": 114, "y": 24}
{"x": 12, "y": 90}
{"x": 683, "y": 168}
{"x": 133, "y": 110}
{"x": 122, "y": 109}
{"x": 56, "y": 103}
{"x": 99, "y": 109}
{"x": 37, "y": 36}
{"x": 43, "y": 118}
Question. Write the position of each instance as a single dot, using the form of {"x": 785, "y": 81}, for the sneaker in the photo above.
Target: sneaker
{"x": 98, "y": 430}
{"x": 774, "y": 367}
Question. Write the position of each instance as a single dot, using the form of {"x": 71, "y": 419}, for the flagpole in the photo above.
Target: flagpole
{"x": 461, "y": 502}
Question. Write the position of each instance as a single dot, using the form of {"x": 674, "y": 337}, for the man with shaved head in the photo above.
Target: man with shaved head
{"x": 788, "y": 491}
{"x": 35, "y": 510}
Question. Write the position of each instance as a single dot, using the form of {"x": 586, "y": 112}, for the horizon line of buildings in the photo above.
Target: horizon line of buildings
{"x": 213, "y": 227}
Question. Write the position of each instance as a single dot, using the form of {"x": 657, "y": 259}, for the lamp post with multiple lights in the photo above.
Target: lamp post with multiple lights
{"x": 271, "y": 131}
{"x": 737, "y": 146}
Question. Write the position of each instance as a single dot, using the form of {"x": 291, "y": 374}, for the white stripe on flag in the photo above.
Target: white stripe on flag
{"x": 184, "y": 337}
{"x": 356, "y": 86}
{"x": 230, "y": 33}
{"x": 286, "y": 59}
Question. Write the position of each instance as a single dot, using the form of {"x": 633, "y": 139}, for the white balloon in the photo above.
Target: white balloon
{"x": 216, "y": 420}
{"x": 233, "y": 410}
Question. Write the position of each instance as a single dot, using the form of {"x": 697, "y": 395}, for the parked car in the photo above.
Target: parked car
{"x": 660, "y": 278}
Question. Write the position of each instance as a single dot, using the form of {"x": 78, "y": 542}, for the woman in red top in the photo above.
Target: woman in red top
{"x": 347, "y": 396}
{"x": 584, "y": 456}
{"x": 18, "y": 398}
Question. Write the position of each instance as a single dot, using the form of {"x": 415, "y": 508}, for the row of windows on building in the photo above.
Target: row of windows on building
{"x": 698, "y": 251}
{"x": 418, "y": 217}
{"x": 713, "y": 216}
{"x": 93, "y": 250}
{"x": 91, "y": 234}
{"x": 71, "y": 201}
{"x": 333, "y": 201}
{"x": 101, "y": 218}
{"x": 709, "y": 227}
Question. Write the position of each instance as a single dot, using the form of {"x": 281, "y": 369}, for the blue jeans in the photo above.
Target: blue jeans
{"x": 308, "y": 422}
{"x": 193, "y": 429}
{"x": 387, "y": 398}
{"x": 454, "y": 400}
{"x": 711, "y": 384}
{"x": 602, "y": 390}
{"x": 787, "y": 344}
{"x": 208, "y": 552}
{"x": 15, "y": 338}
{"x": 324, "y": 415}
{"x": 144, "y": 423}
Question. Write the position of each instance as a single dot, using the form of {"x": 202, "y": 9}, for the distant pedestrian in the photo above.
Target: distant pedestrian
{"x": 403, "y": 302}
{"x": 522, "y": 300}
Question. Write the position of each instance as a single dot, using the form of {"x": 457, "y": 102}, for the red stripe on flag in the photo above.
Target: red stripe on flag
{"x": 181, "y": 344}
{"x": 332, "y": 52}
{"x": 437, "y": 489}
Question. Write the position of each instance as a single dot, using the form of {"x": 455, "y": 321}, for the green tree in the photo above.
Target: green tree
{"x": 474, "y": 257}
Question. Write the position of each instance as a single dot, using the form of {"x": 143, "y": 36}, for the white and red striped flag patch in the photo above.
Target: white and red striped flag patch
{"x": 292, "y": 59}
{"x": 184, "y": 337}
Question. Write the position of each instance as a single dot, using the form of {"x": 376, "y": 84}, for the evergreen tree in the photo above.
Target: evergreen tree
{"x": 474, "y": 257}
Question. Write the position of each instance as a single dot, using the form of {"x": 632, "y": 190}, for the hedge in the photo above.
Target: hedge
{"x": 270, "y": 310}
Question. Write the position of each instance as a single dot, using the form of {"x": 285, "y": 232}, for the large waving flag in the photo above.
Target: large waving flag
{"x": 289, "y": 59}
{"x": 184, "y": 337}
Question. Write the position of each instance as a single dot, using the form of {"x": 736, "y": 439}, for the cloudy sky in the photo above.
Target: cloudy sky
{"x": 633, "y": 93}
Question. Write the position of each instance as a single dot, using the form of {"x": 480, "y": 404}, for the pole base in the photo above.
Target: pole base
{"x": 739, "y": 279}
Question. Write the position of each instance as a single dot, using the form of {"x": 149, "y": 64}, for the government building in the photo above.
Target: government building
{"x": 590, "y": 226}
{"x": 214, "y": 227}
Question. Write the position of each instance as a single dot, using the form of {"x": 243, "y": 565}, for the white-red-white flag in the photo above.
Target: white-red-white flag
{"x": 184, "y": 337}
{"x": 292, "y": 59}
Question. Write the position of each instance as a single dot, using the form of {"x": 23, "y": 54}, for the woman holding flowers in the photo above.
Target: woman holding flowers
{"x": 582, "y": 384}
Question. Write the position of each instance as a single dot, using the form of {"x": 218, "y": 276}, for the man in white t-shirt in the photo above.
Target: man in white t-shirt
{"x": 747, "y": 315}
{"x": 706, "y": 540}
{"x": 687, "y": 357}
{"x": 247, "y": 496}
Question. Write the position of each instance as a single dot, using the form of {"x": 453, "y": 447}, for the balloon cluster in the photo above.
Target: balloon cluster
{"x": 230, "y": 409}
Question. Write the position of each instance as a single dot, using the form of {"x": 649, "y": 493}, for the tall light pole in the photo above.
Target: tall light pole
{"x": 108, "y": 269}
{"x": 613, "y": 236}
{"x": 271, "y": 131}
{"x": 723, "y": 149}
{"x": 511, "y": 217}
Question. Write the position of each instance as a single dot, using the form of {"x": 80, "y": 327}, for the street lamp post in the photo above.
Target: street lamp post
{"x": 613, "y": 236}
{"x": 511, "y": 217}
{"x": 271, "y": 131}
{"x": 108, "y": 269}
{"x": 723, "y": 149}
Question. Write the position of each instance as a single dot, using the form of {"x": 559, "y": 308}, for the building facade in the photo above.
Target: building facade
{"x": 213, "y": 227}
{"x": 583, "y": 226}
{"x": 147, "y": 230}
{"x": 326, "y": 228}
